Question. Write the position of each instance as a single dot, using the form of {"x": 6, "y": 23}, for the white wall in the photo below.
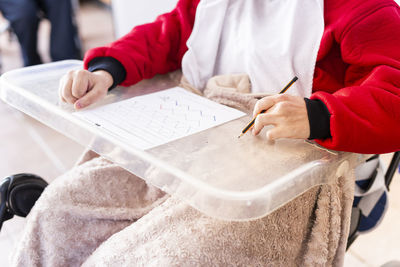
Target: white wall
{"x": 129, "y": 13}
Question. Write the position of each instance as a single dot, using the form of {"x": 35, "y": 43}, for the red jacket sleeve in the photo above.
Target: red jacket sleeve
{"x": 153, "y": 48}
{"x": 365, "y": 115}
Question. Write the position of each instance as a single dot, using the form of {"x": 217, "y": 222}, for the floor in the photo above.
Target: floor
{"x": 28, "y": 146}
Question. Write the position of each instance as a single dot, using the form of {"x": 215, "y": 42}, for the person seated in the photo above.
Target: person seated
{"x": 24, "y": 17}
{"x": 347, "y": 98}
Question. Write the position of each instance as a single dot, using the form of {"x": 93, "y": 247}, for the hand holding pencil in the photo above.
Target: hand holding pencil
{"x": 286, "y": 112}
{"x": 264, "y": 110}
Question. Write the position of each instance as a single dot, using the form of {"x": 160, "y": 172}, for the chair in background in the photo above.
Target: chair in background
{"x": 362, "y": 223}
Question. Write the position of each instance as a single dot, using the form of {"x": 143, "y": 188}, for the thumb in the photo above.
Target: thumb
{"x": 94, "y": 95}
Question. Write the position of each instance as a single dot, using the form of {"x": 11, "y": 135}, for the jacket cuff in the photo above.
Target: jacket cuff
{"x": 112, "y": 66}
{"x": 319, "y": 119}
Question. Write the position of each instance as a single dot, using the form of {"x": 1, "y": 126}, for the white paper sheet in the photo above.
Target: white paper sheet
{"x": 152, "y": 120}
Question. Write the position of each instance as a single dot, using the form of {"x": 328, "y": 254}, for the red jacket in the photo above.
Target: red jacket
{"x": 357, "y": 73}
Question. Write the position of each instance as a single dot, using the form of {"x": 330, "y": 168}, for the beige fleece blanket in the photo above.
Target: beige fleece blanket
{"x": 98, "y": 214}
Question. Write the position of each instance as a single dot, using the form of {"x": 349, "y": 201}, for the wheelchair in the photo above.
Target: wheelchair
{"x": 18, "y": 194}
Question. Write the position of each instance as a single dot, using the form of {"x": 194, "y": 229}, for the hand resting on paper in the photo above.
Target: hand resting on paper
{"x": 83, "y": 88}
{"x": 286, "y": 112}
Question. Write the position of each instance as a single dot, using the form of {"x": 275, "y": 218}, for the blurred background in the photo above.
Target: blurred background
{"x": 26, "y": 145}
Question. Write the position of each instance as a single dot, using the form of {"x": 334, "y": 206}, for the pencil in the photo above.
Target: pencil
{"x": 262, "y": 111}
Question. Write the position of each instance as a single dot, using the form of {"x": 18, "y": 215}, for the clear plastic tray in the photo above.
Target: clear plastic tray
{"x": 213, "y": 171}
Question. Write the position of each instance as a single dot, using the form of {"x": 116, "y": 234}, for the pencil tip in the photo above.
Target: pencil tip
{"x": 240, "y": 135}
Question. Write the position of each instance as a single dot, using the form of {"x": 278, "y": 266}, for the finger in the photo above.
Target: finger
{"x": 263, "y": 120}
{"x": 276, "y": 133}
{"x": 263, "y": 104}
{"x": 91, "y": 97}
{"x": 80, "y": 84}
{"x": 66, "y": 91}
{"x": 61, "y": 86}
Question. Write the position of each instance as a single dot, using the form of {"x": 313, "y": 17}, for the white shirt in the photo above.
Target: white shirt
{"x": 270, "y": 40}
